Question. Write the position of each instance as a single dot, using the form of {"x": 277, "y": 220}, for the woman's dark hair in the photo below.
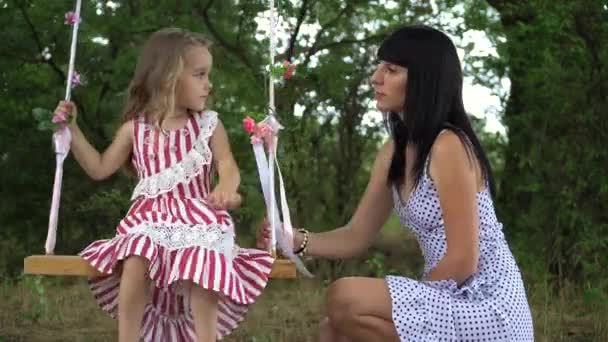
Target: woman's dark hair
{"x": 433, "y": 99}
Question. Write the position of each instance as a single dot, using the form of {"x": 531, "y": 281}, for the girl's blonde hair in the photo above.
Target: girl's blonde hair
{"x": 151, "y": 93}
{"x": 152, "y": 90}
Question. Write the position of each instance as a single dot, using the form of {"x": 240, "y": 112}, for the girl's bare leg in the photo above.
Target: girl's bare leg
{"x": 204, "y": 310}
{"x": 132, "y": 298}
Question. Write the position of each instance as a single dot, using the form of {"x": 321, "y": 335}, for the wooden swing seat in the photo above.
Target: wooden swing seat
{"x": 74, "y": 265}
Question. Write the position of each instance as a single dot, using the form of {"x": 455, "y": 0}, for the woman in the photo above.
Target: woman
{"x": 436, "y": 176}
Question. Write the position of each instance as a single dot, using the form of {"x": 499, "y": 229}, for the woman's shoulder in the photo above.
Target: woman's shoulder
{"x": 386, "y": 150}
{"x": 387, "y": 147}
{"x": 451, "y": 152}
{"x": 447, "y": 141}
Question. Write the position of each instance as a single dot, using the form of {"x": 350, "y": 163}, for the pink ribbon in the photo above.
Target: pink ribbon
{"x": 266, "y": 133}
{"x": 61, "y": 142}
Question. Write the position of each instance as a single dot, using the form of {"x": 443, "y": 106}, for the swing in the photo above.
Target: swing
{"x": 73, "y": 265}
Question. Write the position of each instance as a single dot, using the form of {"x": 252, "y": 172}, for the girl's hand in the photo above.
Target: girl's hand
{"x": 220, "y": 199}
{"x": 66, "y": 111}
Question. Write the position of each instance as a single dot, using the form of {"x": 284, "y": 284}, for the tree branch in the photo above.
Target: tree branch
{"x": 324, "y": 28}
{"x": 369, "y": 39}
{"x": 240, "y": 26}
{"x": 133, "y": 8}
{"x": 508, "y": 16}
{"x": 38, "y": 41}
{"x": 296, "y": 31}
{"x": 240, "y": 54}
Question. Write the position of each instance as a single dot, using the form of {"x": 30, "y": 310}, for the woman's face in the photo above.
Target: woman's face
{"x": 389, "y": 82}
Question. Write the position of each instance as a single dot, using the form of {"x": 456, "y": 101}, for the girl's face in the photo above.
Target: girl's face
{"x": 193, "y": 84}
{"x": 389, "y": 82}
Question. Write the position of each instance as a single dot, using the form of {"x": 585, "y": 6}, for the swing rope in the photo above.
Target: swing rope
{"x": 266, "y": 133}
{"x": 73, "y": 265}
{"x": 62, "y": 137}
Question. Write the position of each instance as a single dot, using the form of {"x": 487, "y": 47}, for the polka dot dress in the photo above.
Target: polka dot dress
{"x": 490, "y": 306}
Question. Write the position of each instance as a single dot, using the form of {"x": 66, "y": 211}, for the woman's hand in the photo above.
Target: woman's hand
{"x": 263, "y": 236}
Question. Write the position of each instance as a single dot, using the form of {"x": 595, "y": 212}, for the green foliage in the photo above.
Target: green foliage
{"x": 551, "y": 166}
{"x": 376, "y": 265}
{"x": 324, "y": 153}
{"x": 39, "y": 307}
{"x": 553, "y": 193}
{"x": 43, "y": 116}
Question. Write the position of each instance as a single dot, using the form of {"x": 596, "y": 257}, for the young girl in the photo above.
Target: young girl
{"x": 177, "y": 232}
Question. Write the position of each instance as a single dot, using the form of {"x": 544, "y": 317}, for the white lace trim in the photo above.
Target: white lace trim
{"x": 189, "y": 167}
{"x": 178, "y": 235}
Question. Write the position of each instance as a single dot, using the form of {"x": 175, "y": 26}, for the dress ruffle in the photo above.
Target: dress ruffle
{"x": 239, "y": 280}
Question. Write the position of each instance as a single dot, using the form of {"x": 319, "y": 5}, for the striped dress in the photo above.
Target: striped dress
{"x": 185, "y": 239}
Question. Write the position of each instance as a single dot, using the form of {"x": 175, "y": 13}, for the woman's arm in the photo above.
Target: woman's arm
{"x": 455, "y": 174}
{"x": 371, "y": 214}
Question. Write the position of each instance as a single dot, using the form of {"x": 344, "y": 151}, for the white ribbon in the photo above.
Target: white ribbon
{"x": 281, "y": 232}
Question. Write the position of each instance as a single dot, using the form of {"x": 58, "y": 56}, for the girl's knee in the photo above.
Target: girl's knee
{"x": 136, "y": 261}
{"x": 135, "y": 267}
{"x": 186, "y": 285}
{"x": 202, "y": 293}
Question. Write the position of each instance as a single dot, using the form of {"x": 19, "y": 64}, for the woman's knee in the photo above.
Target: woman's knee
{"x": 341, "y": 302}
{"x": 327, "y": 333}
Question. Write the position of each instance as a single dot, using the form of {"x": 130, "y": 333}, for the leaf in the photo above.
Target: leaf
{"x": 42, "y": 114}
{"x": 46, "y": 126}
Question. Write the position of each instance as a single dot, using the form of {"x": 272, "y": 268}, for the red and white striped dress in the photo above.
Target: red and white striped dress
{"x": 184, "y": 238}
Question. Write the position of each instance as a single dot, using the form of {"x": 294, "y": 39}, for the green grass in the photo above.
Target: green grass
{"x": 61, "y": 309}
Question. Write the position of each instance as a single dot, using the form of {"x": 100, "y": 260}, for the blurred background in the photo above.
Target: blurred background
{"x": 536, "y": 87}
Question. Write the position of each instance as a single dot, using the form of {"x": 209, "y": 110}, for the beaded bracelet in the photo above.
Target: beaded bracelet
{"x": 304, "y": 244}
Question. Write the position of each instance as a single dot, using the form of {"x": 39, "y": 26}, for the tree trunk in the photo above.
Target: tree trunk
{"x": 554, "y": 188}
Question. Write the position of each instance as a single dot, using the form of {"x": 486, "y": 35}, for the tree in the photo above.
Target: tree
{"x": 325, "y": 151}
{"x": 554, "y": 188}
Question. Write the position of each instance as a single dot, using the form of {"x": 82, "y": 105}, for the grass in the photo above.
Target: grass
{"x": 36, "y": 309}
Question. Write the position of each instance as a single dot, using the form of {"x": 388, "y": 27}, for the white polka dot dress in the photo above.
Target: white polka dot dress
{"x": 490, "y": 306}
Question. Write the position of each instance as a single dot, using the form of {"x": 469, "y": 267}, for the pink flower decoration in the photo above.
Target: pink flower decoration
{"x": 71, "y": 18}
{"x": 263, "y": 130}
{"x": 59, "y": 117}
{"x": 260, "y": 132}
{"x": 289, "y": 71}
{"x": 76, "y": 80}
{"x": 249, "y": 125}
